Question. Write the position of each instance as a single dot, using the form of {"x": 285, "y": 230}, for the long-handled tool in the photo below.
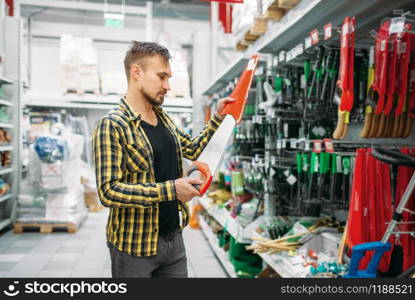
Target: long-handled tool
{"x": 345, "y": 83}
{"x": 211, "y": 157}
{"x": 391, "y": 87}
{"x": 404, "y": 46}
{"x": 369, "y": 94}
{"x": 358, "y": 251}
{"x": 380, "y": 83}
{"x": 411, "y": 99}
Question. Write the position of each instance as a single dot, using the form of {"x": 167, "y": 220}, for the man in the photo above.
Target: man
{"x": 138, "y": 161}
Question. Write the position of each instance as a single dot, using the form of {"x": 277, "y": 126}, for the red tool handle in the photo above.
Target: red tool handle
{"x": 412, "y": 79}
{"x": 392, "y": 63}
{"x": 204, "y": 173}
{"x": 240, "y": 93}
{"x": 344, "y": 58}
{"x": 347, "y": 64}
{"x": 381, "y": 68}
{"x": 404, "y": 46}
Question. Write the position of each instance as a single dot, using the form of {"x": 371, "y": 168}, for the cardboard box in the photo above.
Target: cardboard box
{"x": 287, "y": 3}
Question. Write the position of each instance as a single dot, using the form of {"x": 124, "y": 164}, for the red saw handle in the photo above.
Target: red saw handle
{"x": 404, "y": 51}
{"x": 204, "y": 174}
{"x": 240, "y": 93}
{"x": 381, "y": 67}
{"x": 391, "y": 77}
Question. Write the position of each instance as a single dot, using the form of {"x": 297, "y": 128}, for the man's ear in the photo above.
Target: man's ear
{"x": 136, "y": 71}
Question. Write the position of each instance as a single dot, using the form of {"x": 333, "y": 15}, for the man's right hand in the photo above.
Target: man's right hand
{"x": 185, "y": 190}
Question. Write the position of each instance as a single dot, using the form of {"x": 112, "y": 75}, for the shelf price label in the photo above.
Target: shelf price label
{"x": 328, "y": 144}
{"x": 327, "y": 31}
{"x": 296, "y": 51}
{"x": 317, "y": 146}
{"x": 307, "y": 43}
{"x": 275, "y": 61}
{"x": 281, "y": 56}
{"x": 314, "y": 37}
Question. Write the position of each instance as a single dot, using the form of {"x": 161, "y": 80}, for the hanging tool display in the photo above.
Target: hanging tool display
{"x": 380, "y": 81}
{"x": 380, "y": 258}
{"x": 345, "y": 84}
{"x": 404, "y": 51}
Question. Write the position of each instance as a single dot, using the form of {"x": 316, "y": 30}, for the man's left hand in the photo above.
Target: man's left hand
{"x": 221, "y": 106}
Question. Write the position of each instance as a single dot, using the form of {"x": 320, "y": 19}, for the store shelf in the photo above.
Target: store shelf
{"x": 4, "y": 223}
{"x": 219, "y": 252}
{"x": 4, "y": 80}
{"x": 5, "y": 197}
{"x": 221, "y": 215}
{"x": 6, "y": 125}
{"x": 284, "y": 264}
{"x": 5, "y": 102}
{"x": 4, "y": 171}
{"x": 296, "y": 25}
{"x": 6, "y": 148}
{"x": 91, "y": 102}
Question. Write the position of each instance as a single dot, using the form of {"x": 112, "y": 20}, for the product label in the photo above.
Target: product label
{"x": 314, "y": 36}
{"x": 327, "y": 31}
{"x": 307, "y": 43}
{"x": 251, "y": 64}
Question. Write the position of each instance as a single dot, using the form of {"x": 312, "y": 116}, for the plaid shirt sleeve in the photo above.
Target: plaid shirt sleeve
{"x": 108, "y": 159}
{"x": 193, "y": 147}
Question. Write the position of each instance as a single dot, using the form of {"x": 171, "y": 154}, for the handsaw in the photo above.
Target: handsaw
{"x": 345, "y": 82}
{"x": 379, "y": 86}
{"x": 411, "y": 99}
{"x": 404, "y": 45}
{"x": 369, "y": 108}
{"x": 211, "y": 156}
{"x": 390, "y": 88}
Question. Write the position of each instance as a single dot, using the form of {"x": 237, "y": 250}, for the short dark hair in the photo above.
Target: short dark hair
{"x": 138, "y": 51}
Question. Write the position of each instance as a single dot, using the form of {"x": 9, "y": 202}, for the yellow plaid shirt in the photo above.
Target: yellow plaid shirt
{"x": 125, "y": 176}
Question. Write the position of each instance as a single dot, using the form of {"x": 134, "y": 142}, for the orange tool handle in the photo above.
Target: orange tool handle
{"x": 205, "y": 175}
{"x": 240, "y": 93}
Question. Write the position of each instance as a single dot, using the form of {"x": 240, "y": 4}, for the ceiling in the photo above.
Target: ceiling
{"x": 175, "y": 9}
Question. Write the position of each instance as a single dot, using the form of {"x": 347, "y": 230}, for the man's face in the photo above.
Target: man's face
{"x": 153, "y": 80}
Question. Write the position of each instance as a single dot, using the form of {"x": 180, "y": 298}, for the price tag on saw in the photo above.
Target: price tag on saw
{"x": 327, "y": 31}
{"x": 314, "y": 37}
{"x": 397, "y": 25}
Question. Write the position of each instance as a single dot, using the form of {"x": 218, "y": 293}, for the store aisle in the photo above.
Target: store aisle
{"x": 84, "y": 254}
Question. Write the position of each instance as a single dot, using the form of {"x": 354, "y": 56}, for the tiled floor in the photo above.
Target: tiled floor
{"x": 85, "y": 254}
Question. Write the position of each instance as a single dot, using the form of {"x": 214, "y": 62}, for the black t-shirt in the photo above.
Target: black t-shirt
{"x": 166, "y": 167}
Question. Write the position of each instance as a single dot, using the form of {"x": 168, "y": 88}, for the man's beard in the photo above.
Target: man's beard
{"x": 152, "y": 100}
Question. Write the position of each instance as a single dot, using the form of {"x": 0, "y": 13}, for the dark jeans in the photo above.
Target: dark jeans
{"x": 170, "y": 261}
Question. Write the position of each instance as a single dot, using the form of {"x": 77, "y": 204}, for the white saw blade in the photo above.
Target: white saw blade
{"x": 213, "y": 153}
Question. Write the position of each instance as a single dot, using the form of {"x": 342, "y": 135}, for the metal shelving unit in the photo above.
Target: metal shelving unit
{"x": 219, "y": 252}
{"x": 221, "y": 215}
{"x": 5, "y": 222}
{"x": 288, "y": 33}
{"x": 5, "y": 102}
{"x": 10, "y": 81}
{"x": 296, "y": 25}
